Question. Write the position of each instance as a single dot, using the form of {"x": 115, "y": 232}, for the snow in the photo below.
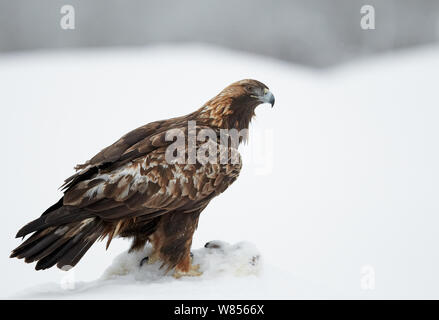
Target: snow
{"x": 218, "y": 261}
{"x": 339, "y": 178}
{"x": 240, "y": 259}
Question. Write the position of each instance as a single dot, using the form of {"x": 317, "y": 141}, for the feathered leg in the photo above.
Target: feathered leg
{"x": 186, "y": 268}
{"x": 172, "y": 243}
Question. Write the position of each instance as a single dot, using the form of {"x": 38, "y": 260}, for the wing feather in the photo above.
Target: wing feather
{"x": 149, "y": 185}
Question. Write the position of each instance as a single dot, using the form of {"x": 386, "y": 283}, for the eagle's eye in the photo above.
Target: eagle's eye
{"x": 249, "y": 88}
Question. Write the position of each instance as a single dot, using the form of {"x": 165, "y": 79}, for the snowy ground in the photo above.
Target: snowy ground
{"x": 339, "y": 186}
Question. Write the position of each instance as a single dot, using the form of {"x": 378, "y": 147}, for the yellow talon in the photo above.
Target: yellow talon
{"x": 193, "y": 272}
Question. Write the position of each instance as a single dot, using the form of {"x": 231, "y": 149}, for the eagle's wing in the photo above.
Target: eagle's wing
{"x": 100, "y": 206}
{"x": 132, "y": 145}
{"x": 150, "y": 185}
{"x": 142, "y": 184}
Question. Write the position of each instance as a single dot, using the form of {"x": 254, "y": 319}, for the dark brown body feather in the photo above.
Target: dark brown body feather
{"x": 130, "y": 190}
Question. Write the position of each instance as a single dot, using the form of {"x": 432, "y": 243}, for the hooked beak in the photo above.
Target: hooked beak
{"x": 268, "y": 97}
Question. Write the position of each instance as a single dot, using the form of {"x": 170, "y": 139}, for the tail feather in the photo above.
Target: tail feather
{"x": 20, "y": 251}
{"x": 51, "y": 259}
{"x": 59, "y": 216}
{"x": 48, "y": 250}
{"x": 63, "y": 244}
{"x": 61, "y": 235}
{"x": 32, "y": 250}
{"x": 72, "y": 257}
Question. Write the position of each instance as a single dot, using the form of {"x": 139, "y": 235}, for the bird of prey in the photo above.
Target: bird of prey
{"x": 131, "y": 189}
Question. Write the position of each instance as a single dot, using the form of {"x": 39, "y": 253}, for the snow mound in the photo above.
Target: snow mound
{"x": 217, "y": 258}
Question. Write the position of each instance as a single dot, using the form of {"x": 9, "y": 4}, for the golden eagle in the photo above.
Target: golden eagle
{"x": 131, "y": 189}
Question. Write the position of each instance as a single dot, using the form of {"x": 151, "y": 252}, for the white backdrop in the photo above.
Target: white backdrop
{"x": 341, "y": 174}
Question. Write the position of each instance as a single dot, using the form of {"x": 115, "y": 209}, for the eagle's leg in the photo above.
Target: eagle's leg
{"x": 186, "y": 268}
{"x": 173, "y": 240}
{"x": 151, "y": 259}
{"x": 154, "y": 257}
{"x": 141, "y": 233}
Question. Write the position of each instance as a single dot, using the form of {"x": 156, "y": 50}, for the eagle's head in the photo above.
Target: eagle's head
{"x": 234, "y": 106}
{"x": 248, "y": 93}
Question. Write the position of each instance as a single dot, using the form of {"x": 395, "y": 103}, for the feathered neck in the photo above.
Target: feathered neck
{"x": 227, "y": 112}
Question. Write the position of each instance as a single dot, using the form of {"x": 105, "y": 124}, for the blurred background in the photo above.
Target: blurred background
{"x": 340, "y": 178}
{"x": 315, "y": 33}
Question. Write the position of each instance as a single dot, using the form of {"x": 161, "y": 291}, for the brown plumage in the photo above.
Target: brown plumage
{"x": 129, "y": 189}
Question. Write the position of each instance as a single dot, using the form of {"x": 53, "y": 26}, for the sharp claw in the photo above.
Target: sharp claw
{"x": 151, "y": 259}
{"x": 193, "y": 272}
{"x": 144, "y": 260}
{"x": 212, "y": 245}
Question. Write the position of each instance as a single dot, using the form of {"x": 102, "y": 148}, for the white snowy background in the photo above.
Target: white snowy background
{"x": 340, "y": 177}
